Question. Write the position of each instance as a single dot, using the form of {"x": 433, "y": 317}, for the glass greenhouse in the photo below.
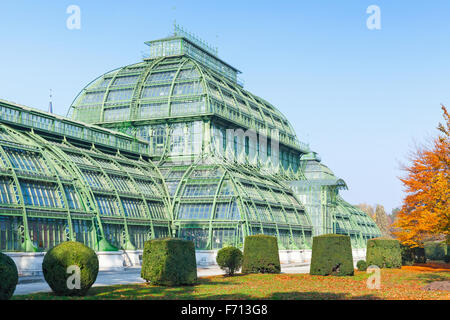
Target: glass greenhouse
{"x": 170, "y": 146}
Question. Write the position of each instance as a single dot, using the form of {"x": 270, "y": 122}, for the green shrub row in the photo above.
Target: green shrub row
{"x": 229, "y": 259}
{"x": 169, "y": 262}
{"x": 436, "y": 250}
{"x": 69, "y": 268}
{"x": 59, "y": 273}
{"x": 384, "y": 253}
{"x": 331, "y": 255}
{"x": 9, "y": 277}
{"x": 412, "y": 255}
{"x": 361, "y": 265}
{"x": 261, "y": 254}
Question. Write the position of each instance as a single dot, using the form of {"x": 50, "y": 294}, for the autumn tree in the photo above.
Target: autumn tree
{"x": 367, "y": 209}
{"x": 379, "y": 216}
{"x": 393, "y": 218}
{"x": 426, "y": 208}
{"x": 382, "y": 221}
{"x": 394, "y": 213}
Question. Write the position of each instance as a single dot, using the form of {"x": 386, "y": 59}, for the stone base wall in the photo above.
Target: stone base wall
{"x": 30, "y": 264}
{"x": 208, "y": 257}
{"x": 358, "y": 254}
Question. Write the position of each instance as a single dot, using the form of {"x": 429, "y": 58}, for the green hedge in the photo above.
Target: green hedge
{"x": 229, "y": 259}
{"x": 384, "y": 253}
{"x": 9, "y": 277}
{"x": 57, "y": 261}
{"x": 412, "y": 255}
{"x": 332, "y": 254}
{"x": 436, "y": 250}
{"x": 261, "y": 254}
{"x": 169, "y": 262}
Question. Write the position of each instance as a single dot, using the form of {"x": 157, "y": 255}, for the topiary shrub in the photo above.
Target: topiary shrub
{"x": 361, "y": 265}
{"x": 412, "y": 255}
{"x": 261, "y": 254}
{"x": 384, "y": 253}
{"x": 169, "y": 262}
{"x": 9, "y": 277}
{"x": 332, "y": 255}
{"x": 58, "y": 267}
{"x": 229, "y": 259}
{"x": 435, "y": 250}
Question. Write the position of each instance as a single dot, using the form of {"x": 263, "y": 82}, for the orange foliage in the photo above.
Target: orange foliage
{"x": 426, "y": 208}
{"x": 428, "y": 267}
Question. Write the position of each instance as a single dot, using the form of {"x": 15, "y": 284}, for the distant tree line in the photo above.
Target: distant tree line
{"x": 382, "y": 219}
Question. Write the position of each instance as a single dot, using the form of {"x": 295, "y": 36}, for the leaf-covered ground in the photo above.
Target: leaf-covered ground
{"x": 405, "y": 283}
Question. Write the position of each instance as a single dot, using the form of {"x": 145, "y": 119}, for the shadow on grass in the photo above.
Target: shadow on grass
{"x": 318, "y": 296}
{"x": 432, "y": 277}
{"x": 134, "y": 291}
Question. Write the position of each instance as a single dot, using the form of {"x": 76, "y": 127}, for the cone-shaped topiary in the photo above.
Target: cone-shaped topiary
{"x": 261, "y": 254}
{"x": 169, "y": 262}
{"x": 229, "y": 259}
{"x": 70, "y": 268}
{"x": 361, "y": 265}
{"x": 332, "y": 254}
{"x": 8, "y": 277}
{"x": 384, "y": 253}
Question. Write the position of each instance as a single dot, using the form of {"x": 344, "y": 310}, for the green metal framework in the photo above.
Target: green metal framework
{"x": 57, "y": 187}
{"x": 172, "y": 145}
{"x": 329, "y": 213}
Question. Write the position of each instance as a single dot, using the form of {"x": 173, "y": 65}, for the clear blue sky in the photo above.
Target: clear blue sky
{"x": 360, "y": 97}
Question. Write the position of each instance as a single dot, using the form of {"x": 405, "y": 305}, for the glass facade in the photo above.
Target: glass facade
{"x": 170, "y": 146}
{"x": 52, "y": 191}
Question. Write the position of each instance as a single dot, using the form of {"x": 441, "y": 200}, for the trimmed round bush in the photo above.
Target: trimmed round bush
{"x": 261, "y": 254}
{"x": 9, "y": 277}
{"x": 229, "y": 259}
{"x": 169, "y": 262}
{"x": 361, "y": 265}
{"x": 61, "y": 265}
{"x": 332, "y": 255}
{"x": 384, "y": 253}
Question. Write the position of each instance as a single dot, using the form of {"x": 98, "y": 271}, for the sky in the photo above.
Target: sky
{"x": 362, "y": 98}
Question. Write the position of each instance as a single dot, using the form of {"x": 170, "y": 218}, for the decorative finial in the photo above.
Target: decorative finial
{"x": 50, "y": 105}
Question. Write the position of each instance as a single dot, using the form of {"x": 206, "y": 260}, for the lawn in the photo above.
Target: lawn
{"x": 405, "y": 283}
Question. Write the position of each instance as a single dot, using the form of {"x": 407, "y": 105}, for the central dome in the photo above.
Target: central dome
{"x": 186, "y": 102}
{"x": 175, "y": 87}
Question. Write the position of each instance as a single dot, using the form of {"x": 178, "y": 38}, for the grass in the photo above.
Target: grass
{"x": 404, "y": 283}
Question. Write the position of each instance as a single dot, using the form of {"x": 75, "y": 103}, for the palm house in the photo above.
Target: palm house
{"x": 170, "y": 146}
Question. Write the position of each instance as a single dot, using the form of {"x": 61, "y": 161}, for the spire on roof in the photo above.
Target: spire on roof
{"x": 50, "y": 104}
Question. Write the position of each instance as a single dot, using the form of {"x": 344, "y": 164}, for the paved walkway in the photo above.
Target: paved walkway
{"x": 35, "y": 284}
